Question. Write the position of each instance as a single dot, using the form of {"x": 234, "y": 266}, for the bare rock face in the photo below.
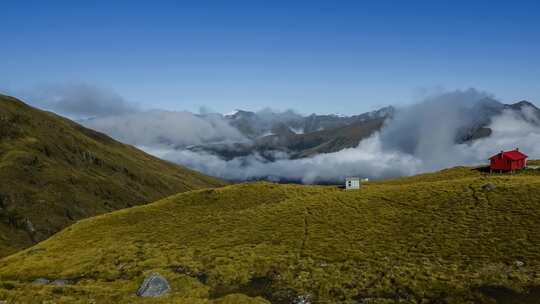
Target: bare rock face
{"x": 154, "y": 285}
{"x": 29, "y": 227}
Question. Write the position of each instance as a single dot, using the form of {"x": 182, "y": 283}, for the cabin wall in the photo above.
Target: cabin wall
{"x": 506, "y": 164}
{"x": 499, "y": 164}
{"x": 352, "y": 184}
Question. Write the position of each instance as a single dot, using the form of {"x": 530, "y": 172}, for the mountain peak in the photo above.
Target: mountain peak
{"x": 523, "y": 103}
{"x": 237, "y": 113}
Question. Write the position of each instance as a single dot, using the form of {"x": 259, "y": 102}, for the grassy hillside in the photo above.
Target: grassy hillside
{"x": 455, "y": 236}
{"x": 54, "y": 172}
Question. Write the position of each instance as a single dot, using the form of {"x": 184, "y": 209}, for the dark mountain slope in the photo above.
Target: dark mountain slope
{"x": 323, "y": 141}
{"x": 483, "y": 112}
{"x": 297, "y": 145}
{"x": 254, "y": 125}
{"x": 54, "y": 172}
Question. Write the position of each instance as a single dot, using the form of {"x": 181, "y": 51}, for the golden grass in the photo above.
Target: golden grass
{"x": 432, "y": 237}
{"x": 54, "y": 172}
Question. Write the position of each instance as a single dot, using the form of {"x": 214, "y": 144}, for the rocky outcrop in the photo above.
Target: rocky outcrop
{"x": 154, "y": 285}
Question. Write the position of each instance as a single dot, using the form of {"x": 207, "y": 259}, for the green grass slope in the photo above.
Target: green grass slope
{"x": 54, "y": 172}
{"x": 433, "y": 238}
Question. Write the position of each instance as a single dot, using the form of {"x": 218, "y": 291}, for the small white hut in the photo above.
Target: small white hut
{"x": 352, "y": 183}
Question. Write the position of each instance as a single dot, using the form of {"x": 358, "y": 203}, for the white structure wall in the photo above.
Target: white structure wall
{"x": 352, "y": 183}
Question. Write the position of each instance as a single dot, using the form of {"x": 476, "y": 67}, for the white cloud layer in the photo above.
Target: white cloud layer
{"x": 369, "y": 158}
{"x": 78, "y": 100}
{"x": 160, "y": 129}
{"x": 419, "y": 139}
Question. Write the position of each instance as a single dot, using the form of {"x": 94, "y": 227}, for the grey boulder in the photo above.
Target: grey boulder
{"x": 488, "y": 187}
{"x": 154, "y": 285}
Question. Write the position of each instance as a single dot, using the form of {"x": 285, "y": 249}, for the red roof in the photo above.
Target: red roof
{"x": 513, "y": 155}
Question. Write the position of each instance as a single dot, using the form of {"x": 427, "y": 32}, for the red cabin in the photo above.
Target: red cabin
{"x": 508, "y": 161}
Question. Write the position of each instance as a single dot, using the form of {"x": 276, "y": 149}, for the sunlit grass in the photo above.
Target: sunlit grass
{"x": 437, "y": 236}
{"x": 54, "y": 172}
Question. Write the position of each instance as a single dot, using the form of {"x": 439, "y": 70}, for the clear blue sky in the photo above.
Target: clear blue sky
{"x": 313, "y": 56}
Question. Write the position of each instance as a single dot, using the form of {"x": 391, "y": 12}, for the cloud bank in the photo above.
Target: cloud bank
{"x": 160, "y": 129}
{"x": 106, "y": 111}
{"x": 420, "y": 138}
{"x": 79, "y": 100}
{"x": 368, "y": 159}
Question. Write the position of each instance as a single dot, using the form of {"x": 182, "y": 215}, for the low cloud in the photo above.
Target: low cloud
{"x": 106, "y": 111}
{"x": 158, "y": 129}
{"x": 420, "y": 138}
{"x": 509, "y": 132}
{"x": 78, "y": 100}
{"x": 367, "y": 159}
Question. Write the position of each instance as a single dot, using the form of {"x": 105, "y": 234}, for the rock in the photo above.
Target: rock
{"x": 154, "y": 285}
{"x": 303, "y": 299}
{"x": 519, "y": 263}
{"x": 60, "y": 282}
{"x": 183, "y": 270}
{"x": 202, "y": 277}
{"x": 488, "y": 187}
{"x": 41, "y": 281}
{"x": 28, "y": 226}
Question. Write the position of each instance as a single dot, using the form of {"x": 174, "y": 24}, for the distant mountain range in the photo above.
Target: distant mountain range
{"x": 303, "y": 136}
{"x": 481, "y": 114}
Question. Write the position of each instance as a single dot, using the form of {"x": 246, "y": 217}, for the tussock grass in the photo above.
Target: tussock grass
{"x": 54, "y": 172}
{"x": 432, "y": 238}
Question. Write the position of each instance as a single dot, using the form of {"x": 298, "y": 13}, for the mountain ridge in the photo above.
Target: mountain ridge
{"x": 331, "y": 133}
{"x": 55, "y": 172}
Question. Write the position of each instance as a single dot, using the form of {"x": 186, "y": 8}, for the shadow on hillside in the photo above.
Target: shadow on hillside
{"x": 503, "y": 295}
{"x": 527, "y": 170}
{"x": 482, "y": 169}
